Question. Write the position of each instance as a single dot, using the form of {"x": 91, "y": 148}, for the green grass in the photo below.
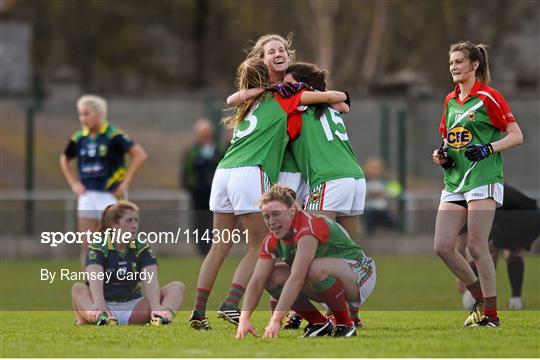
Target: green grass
{"x": 414, "y": 312}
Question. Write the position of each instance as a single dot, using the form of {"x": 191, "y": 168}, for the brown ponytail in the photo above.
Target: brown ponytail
{"x": 114, "y": 212}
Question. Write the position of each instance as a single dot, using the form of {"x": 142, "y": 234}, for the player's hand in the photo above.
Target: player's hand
{"x": 78, "y": 188}
{"x": 287, "y": 89}
{"x": 440, "y": 157}
{"x": 245, "y": 328}
{"x": 96, "y": 311}
{"x": 164, "y": 314}
{"x": 121, "y": 190}
{"x": 478, "y": 152}
{"x": 272, "y": 329}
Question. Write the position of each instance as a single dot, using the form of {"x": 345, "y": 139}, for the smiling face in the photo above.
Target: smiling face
{"x": 89, "y": 116}
{"x": 276, "y": 58}
{"x": 462, "y": 68}
{"x": 278, "y": 218}
{"x": 128, "y": 223}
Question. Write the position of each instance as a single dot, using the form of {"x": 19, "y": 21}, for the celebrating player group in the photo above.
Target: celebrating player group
{"x": 291, "y": 178}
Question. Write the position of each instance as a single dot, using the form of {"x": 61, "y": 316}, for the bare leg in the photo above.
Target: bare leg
{"x": 352, "y": 225}
{"x": 256, "y": 229}
{"x": 82, "y": 302}
{"x": 450, "y": 220}
{"x": 219, "y": 250}
{"x": 480, "y": 219}
{"x": 172, "y": 295}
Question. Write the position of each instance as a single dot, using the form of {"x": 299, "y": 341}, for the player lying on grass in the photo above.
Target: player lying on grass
{"x": 320, "y": 261}
{"x": 130, "y": 264}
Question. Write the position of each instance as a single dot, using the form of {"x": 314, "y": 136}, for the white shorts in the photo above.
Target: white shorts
{"x": 366, "y": 272}
{"x": 494, "y": 191}
{"x": 92, "y": 203}
{"x": 238, "y": 190}
{"x": 345, "y": 196}
{"x": 295, "y": 181}
{"x": 122, "y": 310}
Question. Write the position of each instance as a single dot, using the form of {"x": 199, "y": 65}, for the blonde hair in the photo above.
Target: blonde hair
{"x": 252, "y": 73}
{"x": 97, "y": 103}
{"x": 257, "y": 51}
{"x": 475, "y": 52}
{"x": 278, "y": 193}
{"x": 114, "y": 212}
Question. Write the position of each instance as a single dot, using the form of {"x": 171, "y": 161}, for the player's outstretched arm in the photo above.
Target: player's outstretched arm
{"x": 261, "y": 274}
{"x": 241, "y": 96}
{"x": 322, "y": 97}
{"x": 305, "y": 253}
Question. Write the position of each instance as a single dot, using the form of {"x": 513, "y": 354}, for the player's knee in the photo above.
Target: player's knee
{"x": 78, "y": 289}
{"x": 178, "y": 287}
{"x": 275, "y": 280}
{"x": 476, "y": 250}
{"x": 316, "y": 272}
{"x": 443, "y": 250}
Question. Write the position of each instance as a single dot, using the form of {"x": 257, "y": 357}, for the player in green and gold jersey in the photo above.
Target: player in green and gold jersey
{"x": 473, "y": 119}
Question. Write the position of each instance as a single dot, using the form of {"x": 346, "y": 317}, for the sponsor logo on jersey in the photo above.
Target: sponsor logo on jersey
{"x": 102, "y": 150}
{"x": 458, "y": 137}
{"x": 471, "y": 116}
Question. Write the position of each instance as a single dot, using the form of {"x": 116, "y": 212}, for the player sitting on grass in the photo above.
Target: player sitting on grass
{"x": 313, "y": 248}
{"x": 129, "y": 264}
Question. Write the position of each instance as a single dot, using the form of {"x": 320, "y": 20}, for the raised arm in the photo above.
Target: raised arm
{"x": 241, "y": 96}
{"x": 324, "y": 97}
{"x": 305, "y": 253}
{"x": 255, "y": 288}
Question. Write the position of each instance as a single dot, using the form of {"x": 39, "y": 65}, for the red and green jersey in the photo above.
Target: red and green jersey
{"x": 260, "y": 139}
{"x": 479, "y": 119}
{"x": 289, "y": 163}
{"x": 333, "y": 240}
{"x": 322, "y": 151}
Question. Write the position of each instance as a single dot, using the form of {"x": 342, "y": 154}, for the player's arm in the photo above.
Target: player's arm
{"x": 322, "y": 97}
{"x": 305, "y": 253}
{"x": 341, "y": 107}
{"x": 152, "y": 291}
{"x": 261, "y": 274}
{"x": 76, "y": 186}
{"x": 241, "y": 96}
{"x": 513, "y": 138}
{"x": 138, "y": 157}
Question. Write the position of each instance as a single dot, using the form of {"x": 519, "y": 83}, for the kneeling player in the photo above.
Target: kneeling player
{"x": 117, "y": 298}
{"x": 313, "y": 248}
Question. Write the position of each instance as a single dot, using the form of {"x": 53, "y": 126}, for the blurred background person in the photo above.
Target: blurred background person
{"x": 103, "y": 177}
{"x": 196, "y": 173}
{"x": 378, "y": 193}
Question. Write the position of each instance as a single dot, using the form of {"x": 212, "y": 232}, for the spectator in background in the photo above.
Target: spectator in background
{"x": 378, "y": 191}
{"x": 103, "y": 177}
{"x": 197, "y": 171}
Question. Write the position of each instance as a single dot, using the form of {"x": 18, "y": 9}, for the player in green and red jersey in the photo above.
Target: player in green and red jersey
{"x": 337, "y": 188}
{"x": 250, "y": 165}
{"x": 473, "y": 119}
{"x": 309, "y": 247}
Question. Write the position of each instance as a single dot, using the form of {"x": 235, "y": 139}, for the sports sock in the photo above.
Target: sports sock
{"x": 303, "y": 307}
{"x": 490, "y": 306}
{"x": 200, "y": 301}
{"x": 476, "y": 290}
{"x": 273, "y": 303}
{"x": 353, "y": 312}
{"x": 235, "y": 294}
{"x": 516, "y": 268}
{"x": 331, "y": 292}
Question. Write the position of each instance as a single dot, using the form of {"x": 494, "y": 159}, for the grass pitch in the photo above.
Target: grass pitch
{"x": 414, "y": 311}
